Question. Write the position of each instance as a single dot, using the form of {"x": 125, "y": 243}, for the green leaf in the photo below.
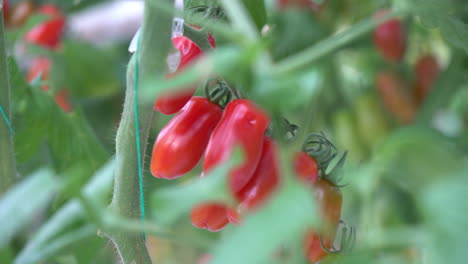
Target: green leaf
{"x": 172, "y": 202}
{"x": 284, "y": 219}
{"x": 455, "y": 31}
{"x": 19, "y": 205}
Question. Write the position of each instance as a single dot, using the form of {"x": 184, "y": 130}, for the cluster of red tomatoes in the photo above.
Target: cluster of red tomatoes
{"x": 204, "y": 128}
{"x": 47, "y": 34}
{"x": 400, "y": 96}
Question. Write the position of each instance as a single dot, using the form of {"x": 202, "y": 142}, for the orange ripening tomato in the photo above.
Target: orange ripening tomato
{"x": 394, "y": 92}
{"x": 329, "y": 199}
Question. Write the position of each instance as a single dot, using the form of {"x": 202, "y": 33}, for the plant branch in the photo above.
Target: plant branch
{"x": 155, "y": 45}
{"x": 330, "y": 44}
{"x": 7, "y": 153}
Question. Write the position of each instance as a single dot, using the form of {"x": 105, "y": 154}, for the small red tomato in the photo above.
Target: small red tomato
{"x": 305, "y": 167}
{"x": 390, "y": 39}
{"x": 427, "y": 70}
{"x": 395, "y": 94}
{"x": 6, "y": 9}
{"x": 181, "y": 143}
{"x": 63, "y": 101}
{"x": 329, "y": 199}
{"x": 265, "y": 179}
{"x": 47, "y": 34}
{"x": 243, "y": 124}
{"x": 171, "y": 102}
{"x": 211, "y": 216}
{"x": 20, "y": 13}
{"x": 40, "y": 65}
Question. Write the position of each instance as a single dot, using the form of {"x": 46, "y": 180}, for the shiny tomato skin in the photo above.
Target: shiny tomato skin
{"x": 264, "y": 181}
{"x": 171, "y": 102}
{"x": 306, "y": 167}
{"x": 181, "y": 143}
{"x": 395, "y": 94}
{"x": 47, "y": 34}
{"x": 390, "y": 39}
{"x": 39, "y": 65}
{"x": 211, "y": 216}
{"x": 243, "y": 124}
{"x": 329, "y": 199}
{"x": 427, "y": 70}
{"x": 20, "y": 13}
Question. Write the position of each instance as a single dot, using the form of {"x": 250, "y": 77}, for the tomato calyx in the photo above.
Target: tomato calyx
{"x": 219, "y": 92}
{"x": 347, "y": 241}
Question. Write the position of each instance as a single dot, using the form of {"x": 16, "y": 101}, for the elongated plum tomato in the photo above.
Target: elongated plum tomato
{"x": 390, "y": 38}
{"x": 396, "y": 96}
{"x": 211, "y": 216}
{"x": 265, "y": 179}
{"x": 305, "y": 167}
{"x": 49, "y": 33}
{"x": 243, "y": 124}
{"x": 171, "y": 102}
{"x": 181, "y": 143}
{"x": 330, "y": 199}
{"x": 427, "y": 70}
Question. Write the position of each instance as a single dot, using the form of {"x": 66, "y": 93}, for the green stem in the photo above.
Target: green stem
{"x": 7, "y": 153}
{"x": 329, "y": 45}
{"x": 240, "y": 18}
{"x": 155, "y": 45}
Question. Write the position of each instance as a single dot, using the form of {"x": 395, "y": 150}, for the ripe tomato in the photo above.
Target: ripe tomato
{"x": 171, "y": 102}
{"x": 243, "y": 124}
{"x": 6, "y": 9}
{"x": 427, "y": 70}
{"x": 305, "y": 167}
{"x": 390, "y": 39}
{"x": 20, "y": 13}
{"x": 265, "y": 179}
{"x": 181, "y": 143}
{"x": 40, "y": 65}
{"x": 396, "y": 97}
{"x": 47, "y": 34}
{"x": 211, "y": 216}
{"x": 329, "y": 199}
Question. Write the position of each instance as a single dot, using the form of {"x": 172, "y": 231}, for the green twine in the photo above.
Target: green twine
{"x": 137, "y": 131}
{"x": 7, "y": 121}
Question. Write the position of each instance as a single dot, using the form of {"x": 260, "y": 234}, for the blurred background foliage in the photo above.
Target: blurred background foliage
{"x": 405, "y": 184}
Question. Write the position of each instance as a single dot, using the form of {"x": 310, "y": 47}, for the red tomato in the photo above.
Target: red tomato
{"x": 330, "y": 199}
{"x": 47, "y": 34}
{"x": 243, "y": 124}
{"x": 282, "y": 4}
{"x": 40, "y": 65}
{"x": 211, "y": 216}
{"x": 427, "y": 70}
{"x": 181, "y": 143}
{"x": 62, "y": 100}
{"x": 395, "y": 95}
{"x": 171, "y": 102}
{"x": 305, "y": 167}
{"x": 211, "y": 39}
{"x": 390, "y": 39}
{"x": 265, "y": 179}
{"x": 20, "y": 13}
{"x": 233, "y": 216}
{"x": 6, "y": 9}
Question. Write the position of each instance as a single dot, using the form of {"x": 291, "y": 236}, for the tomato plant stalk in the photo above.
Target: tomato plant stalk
{"x": 155, "y": 45}
{"x": 7, "y": 157}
